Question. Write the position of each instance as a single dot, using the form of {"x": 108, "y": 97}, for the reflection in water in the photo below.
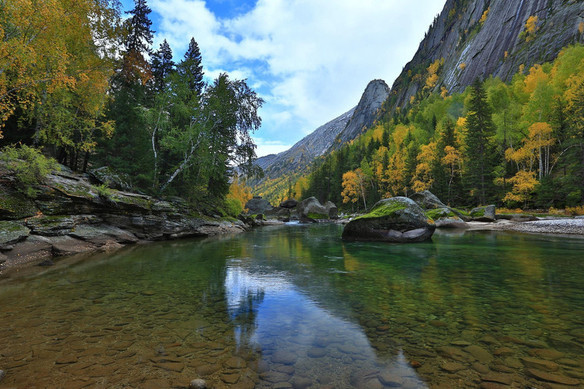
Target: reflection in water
{"x": 291, "y": 329}
{"x": 294, "y": 306}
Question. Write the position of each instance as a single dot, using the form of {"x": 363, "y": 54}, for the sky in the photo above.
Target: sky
{"x": 310, "y": 60}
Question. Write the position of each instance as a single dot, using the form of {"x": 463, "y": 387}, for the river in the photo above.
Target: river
{"x": 294, "y": 306}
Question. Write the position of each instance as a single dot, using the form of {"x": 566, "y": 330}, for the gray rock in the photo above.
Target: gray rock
{"x": 110, "y": 178}
{"x": 427, "y": 200}
{"x": 311, "y": 209}
{"x": 495, "y": 47}
{"x": 11, "y": 233}
{"x": 2, "y": 374}
{"x": 290, "y": 204}
{"x": 332, "y": 210}
{"x": 365, "y": 113}
{"x": 446, "y": 218}
{"x": 483, "y": 214}
{"x": 258, "y": 205}
{"x": 397, "y": 220}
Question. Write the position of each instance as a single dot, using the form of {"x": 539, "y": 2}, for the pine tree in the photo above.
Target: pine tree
{"x": 480, "y": 147}
{"x": 191, "y": 68}
{"x": 162, "y": 65}
{"x": 135, "y": 68}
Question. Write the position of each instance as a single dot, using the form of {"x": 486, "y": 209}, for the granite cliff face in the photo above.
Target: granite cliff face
{"x": 365, "y": 113}
{"x": 480, "y": 38}
{"x": 306, "y": 150}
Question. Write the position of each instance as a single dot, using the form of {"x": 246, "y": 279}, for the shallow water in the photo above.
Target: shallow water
{"x": 294, "y": 306}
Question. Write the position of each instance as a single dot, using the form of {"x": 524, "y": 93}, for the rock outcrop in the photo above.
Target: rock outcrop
{"x": 365, "y": 113}
{"x": 395, "y": 220}
{"x": 71, "y": 216}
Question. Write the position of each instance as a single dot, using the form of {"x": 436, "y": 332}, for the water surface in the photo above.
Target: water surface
{"x": 294, "y": 306}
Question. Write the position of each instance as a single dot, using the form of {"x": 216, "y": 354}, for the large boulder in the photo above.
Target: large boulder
{"x": 258, "y": 205}
{"x": 332, "y": 210}
{"x": 396, "y": 220}
{"x": 289, "y": 204}
{"x": 311, "y": 209}
{"x": 483, "y": 214}
{"x": 427, "y": 200}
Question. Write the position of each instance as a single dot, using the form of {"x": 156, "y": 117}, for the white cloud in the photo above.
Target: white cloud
{"x": 310, "y": 58}
{"x": 266, "y": 147}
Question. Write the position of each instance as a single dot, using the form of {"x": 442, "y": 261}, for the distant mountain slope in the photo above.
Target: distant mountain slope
{"x": 305, "y": 150}
{"x": 281, "y": 167}
{"x": 479, "y": 38}
{"x": 286, "y": 166}
{"x": 365, "y": 114}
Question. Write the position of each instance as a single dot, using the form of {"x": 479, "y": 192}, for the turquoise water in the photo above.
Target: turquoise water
{"x": 294, "y": 306}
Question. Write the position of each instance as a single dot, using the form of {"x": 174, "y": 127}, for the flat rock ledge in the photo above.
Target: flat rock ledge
{"x": 563, "y": 226}
{"x": 70, "y": 217}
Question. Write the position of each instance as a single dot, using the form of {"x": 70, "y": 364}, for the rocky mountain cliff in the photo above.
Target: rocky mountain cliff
{"x": 278, "y": 168}
{"x": 365, "y": 113}
{"x": 477, "y": 38}
{"x": 306, "y": 150}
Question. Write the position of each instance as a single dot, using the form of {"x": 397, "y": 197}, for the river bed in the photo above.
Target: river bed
{"x": 294, "y": 306}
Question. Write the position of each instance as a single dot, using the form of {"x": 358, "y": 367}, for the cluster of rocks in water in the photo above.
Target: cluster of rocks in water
{"x": 70, "y": 215}
{"x": 409, "y": 220}
{"x": 309, "y": 210}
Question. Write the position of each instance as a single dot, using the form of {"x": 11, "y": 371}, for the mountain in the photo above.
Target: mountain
{"x": 281, "y": 168}
{"x": 478, "y": 38}
{"x": 365, "y": 113}
{"x": 305, "y": 150}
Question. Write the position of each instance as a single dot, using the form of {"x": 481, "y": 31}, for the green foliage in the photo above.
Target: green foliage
{"x": 29, "y": 166}
{"x": 231, "y": 207}
{"x": 103, "y": 191}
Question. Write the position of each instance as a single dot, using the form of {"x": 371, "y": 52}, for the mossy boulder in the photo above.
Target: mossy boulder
{"x": 15, "y": 205}
{"x": 311, "y": 210}
{"x": 446, "y": 218}
{"x": 11, "y": 233}
{"x": 427, "y": 200}
{"x": 396, "y": 220}
{"x": 332, "y": 210}
{"x": 483, "y": 214}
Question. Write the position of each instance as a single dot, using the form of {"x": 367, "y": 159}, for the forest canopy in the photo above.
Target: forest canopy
{"x": 81, "y": 81}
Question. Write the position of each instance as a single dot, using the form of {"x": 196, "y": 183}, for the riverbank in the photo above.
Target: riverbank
{"x": 560, "y": 226}
{"x": 69, "y": 215}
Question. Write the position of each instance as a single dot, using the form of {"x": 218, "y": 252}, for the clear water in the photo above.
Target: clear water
{"x": 294, "y": 306}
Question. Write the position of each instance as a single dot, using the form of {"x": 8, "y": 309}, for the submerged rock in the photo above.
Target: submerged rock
{"x": 398, "y": 220}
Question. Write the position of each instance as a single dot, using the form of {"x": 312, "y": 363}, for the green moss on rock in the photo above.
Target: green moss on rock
{"x": 317, "y": 216}
{"x": 383, "y": 209}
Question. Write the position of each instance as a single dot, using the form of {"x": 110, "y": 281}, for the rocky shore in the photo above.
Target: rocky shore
{"x": 563, "y": 226}
{"x": 69, "y": 215}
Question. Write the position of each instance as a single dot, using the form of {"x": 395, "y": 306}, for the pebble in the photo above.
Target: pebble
{"x": 198, "y": 383}
{"x": 451, "y": 367}
{"x": 2, "y": 374}
{"x": 316, "y": 352}
{"x": 230, "y": 378}
{"x": 301, "y": 383}
{"x": 284, "y": 357}
{"x": 541, "y": 364}
{"x": 481, "y": 354}
{"x": 500, "y": 378}
{"x": 555, "y": 378}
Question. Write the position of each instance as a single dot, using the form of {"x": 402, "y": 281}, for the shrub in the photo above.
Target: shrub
{"x": 29, "y": 166}
{"x": 232, "y": 207}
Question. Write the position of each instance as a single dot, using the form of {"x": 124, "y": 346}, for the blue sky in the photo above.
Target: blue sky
{"x": 309, "y": 59}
